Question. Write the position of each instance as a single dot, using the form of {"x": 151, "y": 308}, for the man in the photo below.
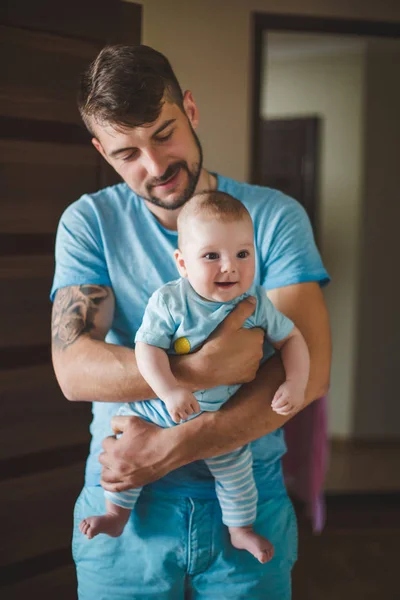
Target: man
{"x": 114, "y": 248}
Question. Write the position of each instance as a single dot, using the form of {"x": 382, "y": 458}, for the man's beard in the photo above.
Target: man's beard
{"x": 193, "y": 178}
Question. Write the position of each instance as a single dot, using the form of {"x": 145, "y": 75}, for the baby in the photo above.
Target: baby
{"x": 216, "y": 261}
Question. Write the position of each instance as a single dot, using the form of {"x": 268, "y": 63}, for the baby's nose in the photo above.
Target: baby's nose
{"x": 228, "y": 266}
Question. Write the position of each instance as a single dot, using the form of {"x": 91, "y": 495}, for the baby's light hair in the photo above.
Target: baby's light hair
{"x": 211, "y": 205}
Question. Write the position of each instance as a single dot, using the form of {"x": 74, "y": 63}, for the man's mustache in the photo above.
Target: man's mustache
{"x": 169, "y": 172}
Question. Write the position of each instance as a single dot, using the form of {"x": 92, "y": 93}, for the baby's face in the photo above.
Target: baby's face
{"x": 218, "y": 258}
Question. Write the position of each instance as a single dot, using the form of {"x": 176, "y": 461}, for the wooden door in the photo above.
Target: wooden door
{"x": 46, "y": 162}
{"x": 289, "y": 159}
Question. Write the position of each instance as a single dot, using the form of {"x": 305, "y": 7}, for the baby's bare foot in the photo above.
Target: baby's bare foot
{"x": 112, "y": 525}
{"x": 245, "y": 538}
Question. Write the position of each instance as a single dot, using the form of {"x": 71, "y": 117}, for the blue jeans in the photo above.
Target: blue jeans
{"x": 177, "y": 548}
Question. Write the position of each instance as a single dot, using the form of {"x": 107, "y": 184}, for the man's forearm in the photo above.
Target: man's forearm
{"x": 93, "y": 370}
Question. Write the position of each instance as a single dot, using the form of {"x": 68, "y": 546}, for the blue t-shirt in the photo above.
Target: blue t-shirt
{"x": 178, "y": 320}
{"x": 111, "y": 238}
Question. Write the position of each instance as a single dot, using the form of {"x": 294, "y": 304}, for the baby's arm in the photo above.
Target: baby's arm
{"x": 289, "y": 397}
{"x": 153, "y": 364}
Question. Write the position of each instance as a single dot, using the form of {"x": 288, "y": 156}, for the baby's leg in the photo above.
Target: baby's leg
{"x": 237, "y": 495}
{"x": 119, "y": 507}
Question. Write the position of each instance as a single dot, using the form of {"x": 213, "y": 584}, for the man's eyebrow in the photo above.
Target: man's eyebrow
{"x": 163, "y": 126}
{"x": 166, "y": 124}
{"x": 115, "y": 153}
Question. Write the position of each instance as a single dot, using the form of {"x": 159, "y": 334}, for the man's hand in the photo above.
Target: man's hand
{"x": 139, "y": 456}
{"x": 232, "y": 354}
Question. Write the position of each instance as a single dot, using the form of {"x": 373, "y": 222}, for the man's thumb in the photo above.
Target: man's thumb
{"x": 119, "y": 423}
{"x": 240, "y": 313}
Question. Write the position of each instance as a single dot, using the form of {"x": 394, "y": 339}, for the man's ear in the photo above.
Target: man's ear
{"x": 191, "y": 110}
{"x": 99, "y": 148}
{"x": 180, "y": 263}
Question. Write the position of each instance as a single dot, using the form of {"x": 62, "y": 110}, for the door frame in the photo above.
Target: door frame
{"x": 310, "y": 164}
{"x": 262, "y": 22}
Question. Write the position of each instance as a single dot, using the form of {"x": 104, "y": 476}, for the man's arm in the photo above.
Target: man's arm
{"x": 147, "y": 453}
{"x": 88, "y": 368}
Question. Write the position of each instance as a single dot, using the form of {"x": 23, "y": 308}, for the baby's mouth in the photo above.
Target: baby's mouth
{"x": 225, "y": 284}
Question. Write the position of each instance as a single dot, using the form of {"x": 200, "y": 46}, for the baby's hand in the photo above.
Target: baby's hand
{"x": 288, "y": 399}
{"x": 181, "y": 404}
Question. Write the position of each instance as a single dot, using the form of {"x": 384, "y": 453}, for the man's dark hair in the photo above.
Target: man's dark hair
{"x": 127, "y": 86}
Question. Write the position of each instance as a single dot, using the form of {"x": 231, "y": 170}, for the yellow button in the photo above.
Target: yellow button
{"x": 182, "y": 346}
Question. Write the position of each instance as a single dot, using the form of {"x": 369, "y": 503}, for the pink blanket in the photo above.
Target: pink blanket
{"x": 306, "y": 460}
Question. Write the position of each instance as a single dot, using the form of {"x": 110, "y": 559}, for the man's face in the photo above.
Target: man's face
{"x": 162, "y": 161}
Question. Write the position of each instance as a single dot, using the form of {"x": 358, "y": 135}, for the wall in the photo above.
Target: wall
{"x": 313, "y": 78}
{"x": 377, "y": 408}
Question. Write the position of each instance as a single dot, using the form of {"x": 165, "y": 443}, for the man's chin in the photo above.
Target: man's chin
{"x": 170, "y": 202}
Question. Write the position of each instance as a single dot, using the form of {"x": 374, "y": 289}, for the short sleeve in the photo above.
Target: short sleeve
{"x": 158, "y": 326}
{"x": 276, "y": 325}
{"x": 292, "y": 255}
{"x": 79, "y": 254}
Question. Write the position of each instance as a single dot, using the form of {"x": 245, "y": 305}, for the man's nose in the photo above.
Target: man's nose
{"x": 154, "y": 163}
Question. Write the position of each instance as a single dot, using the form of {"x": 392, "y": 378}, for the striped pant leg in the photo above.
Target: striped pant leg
{"x": 235, "y": 486}
{"x": 129, "y": 498}
{"x": 124, "y": 499}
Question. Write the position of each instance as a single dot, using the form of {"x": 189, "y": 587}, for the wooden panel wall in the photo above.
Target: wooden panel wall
{"x": 46, "y": 162}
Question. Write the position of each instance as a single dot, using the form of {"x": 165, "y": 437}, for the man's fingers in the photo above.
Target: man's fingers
{"x": 108, "y": 444}
{"x": 112, "y": 486}
{"x": 239, "y": 314}
{"x": 119, "y": 423}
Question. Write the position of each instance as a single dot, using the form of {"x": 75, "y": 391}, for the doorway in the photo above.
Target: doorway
{"x": 289, "y": 151}
{"x": 342, "y": 73}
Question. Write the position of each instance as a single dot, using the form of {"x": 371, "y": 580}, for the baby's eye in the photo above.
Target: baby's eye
{"x": 243, "y": 254}
{"x": 211, "y": 256}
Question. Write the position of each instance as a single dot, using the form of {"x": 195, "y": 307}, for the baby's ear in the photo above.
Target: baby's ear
{"x": 180, "y": 263}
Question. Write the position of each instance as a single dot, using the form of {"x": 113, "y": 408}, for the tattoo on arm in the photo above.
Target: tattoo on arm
{"x": 74, "y": 312}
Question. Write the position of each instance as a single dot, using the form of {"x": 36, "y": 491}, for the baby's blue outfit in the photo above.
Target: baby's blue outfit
{"x": 176, "y": 313}
{"x": 175, "y": 544}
